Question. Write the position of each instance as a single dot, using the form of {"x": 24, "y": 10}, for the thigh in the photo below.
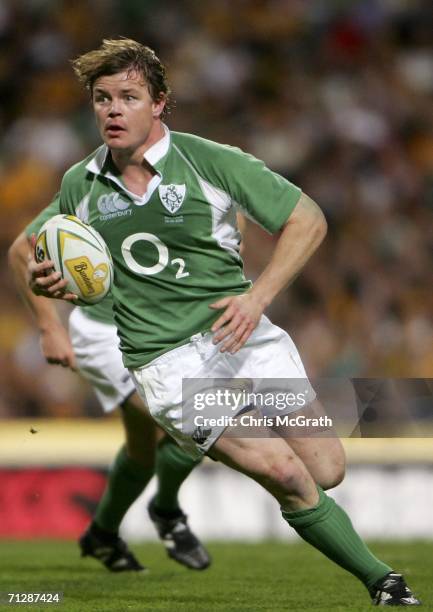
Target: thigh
{"x": 271, "y": 361}
{"x": 269, "y": 353}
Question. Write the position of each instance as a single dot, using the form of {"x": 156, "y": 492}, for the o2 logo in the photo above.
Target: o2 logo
{"x": 163, "y": 256}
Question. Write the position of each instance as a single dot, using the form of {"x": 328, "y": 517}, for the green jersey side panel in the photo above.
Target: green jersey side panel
{"x": 102, "y": 312}
{"x": 176, "y": 250}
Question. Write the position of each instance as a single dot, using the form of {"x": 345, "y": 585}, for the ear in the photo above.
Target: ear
{"x": 158, "y": 107}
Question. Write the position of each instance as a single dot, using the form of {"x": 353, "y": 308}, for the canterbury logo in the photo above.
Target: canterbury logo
{"x": 112, "y": 205}
{"x": 90, "y": 280}
{"x": 200, "y": 434}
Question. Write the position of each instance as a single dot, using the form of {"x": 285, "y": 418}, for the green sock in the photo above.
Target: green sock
{"x": 126, "y": 481}
{"x": 173, "y": 465}
{"x": 328, "y": 528}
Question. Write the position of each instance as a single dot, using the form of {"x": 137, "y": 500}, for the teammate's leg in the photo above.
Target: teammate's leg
{"x": 133, "y": 466}
{"x": 130, "y": 473}
{"x": 315, "y": 516}
{"x": 172, "y": 465}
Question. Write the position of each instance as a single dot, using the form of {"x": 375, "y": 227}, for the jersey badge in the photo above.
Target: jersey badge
{"x": 172, "y": 196}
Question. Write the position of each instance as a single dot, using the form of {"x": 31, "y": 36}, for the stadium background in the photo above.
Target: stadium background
{"x": 336, "y": 96}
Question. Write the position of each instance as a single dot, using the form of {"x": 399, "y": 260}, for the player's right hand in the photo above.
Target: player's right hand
{"x": 44, "y": 280}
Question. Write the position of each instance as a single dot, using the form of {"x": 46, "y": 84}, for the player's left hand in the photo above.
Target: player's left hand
{"x": 241, "y": 316}
{"x": 44, "y": 280}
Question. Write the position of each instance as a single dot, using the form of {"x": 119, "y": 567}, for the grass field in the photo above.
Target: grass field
{"x": 244, "y": 577}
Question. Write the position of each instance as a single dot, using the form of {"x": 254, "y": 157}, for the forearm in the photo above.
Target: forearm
{"x": 43, "y": 309}
{"x": 301, "y": 236}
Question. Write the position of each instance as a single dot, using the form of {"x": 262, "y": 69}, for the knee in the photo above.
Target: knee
{"x": 283, "y": 475}
{"x": 332, "y": 473}
{"x": 141, "y": 455}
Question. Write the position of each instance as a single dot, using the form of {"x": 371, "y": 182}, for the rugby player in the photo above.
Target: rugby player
{"x": 182, "y": 306}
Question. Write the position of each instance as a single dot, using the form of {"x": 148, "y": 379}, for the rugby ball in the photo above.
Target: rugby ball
{"x": 80, "y": 254}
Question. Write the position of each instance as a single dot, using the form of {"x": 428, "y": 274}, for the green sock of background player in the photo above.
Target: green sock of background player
{"x": 127, "y": 480}
{"x": 172, "y": 467}
{"x": 328, "y": 528}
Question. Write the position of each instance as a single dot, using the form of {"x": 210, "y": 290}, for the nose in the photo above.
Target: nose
{"x": 114, "y": 109}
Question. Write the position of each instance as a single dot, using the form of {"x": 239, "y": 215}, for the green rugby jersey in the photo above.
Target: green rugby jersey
{"x": 103, "y": 311}
{"x": 176, "y": 248}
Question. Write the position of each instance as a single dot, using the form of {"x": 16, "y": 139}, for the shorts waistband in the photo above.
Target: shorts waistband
{"x": 174, "y": 353}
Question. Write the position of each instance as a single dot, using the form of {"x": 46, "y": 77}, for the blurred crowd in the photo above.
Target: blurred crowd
{"x": 336, "y": 96}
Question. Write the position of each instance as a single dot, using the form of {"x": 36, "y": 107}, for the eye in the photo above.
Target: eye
{"x": 101, "y": 98}
{"x": 130, "y": 97}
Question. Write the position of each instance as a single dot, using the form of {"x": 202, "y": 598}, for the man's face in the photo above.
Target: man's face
{"x": 124, "y": 110}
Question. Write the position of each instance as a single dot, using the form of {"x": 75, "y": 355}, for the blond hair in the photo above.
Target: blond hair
{"x": 120, "y": 54}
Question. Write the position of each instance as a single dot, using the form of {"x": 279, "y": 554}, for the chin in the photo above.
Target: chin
{"x": 116, "y": 145}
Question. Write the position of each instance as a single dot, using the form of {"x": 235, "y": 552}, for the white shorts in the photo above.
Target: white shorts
{"x": 269, "y": 353}
{"x": 96, "y": 348}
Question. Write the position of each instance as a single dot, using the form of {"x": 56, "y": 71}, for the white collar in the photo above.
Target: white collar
{"x": 152, "y": 155}
{"x": 159, "y": 149}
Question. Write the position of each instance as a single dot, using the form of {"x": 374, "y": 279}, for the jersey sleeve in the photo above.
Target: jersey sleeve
{"x": 49, "y": 211}
{"x": 261, "y": 194}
